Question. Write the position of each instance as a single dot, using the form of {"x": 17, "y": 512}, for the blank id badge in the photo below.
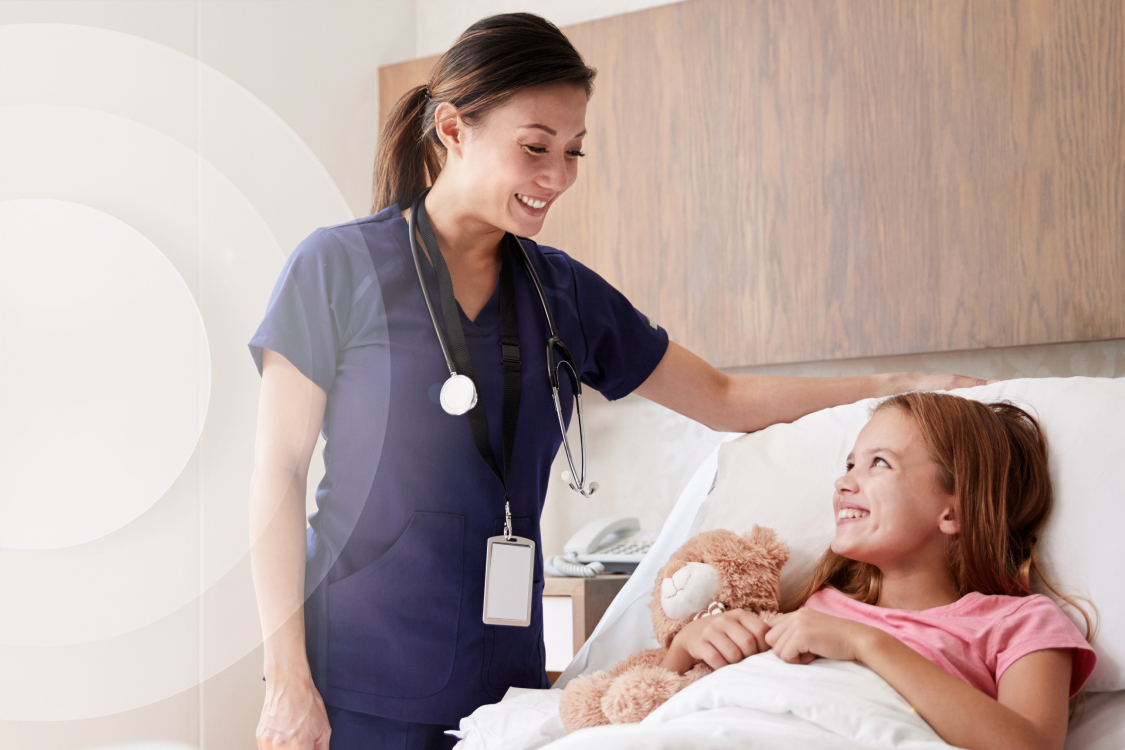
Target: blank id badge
{"x": 508, "y": 573}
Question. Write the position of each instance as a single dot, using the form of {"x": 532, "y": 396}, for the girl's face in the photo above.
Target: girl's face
{"x": 890, "y": 510}
{"x": 515, "y": 162}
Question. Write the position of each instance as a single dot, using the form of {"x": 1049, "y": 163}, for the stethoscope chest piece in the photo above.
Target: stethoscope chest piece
{"x": 458, "y": 395}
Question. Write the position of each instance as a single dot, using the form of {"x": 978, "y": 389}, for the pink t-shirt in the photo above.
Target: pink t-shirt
{"x": 976, "y": 637}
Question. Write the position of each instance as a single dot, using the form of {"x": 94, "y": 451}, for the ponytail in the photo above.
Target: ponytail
{"x": 492, "y": 60}
{"x": 406, "y": 160}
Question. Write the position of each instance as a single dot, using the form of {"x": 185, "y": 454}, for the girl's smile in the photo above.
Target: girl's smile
{"x": 847, "y": 512}
{"x": 888, "y": 506}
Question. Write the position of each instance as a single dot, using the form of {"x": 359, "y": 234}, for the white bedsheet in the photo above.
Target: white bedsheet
{"x": 761, "y": 702}
{"x": 1100, "y": 725}
{"x": 714, "y": 712}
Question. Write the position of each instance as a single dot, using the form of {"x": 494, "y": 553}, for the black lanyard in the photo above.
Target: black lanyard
{"x": 509, "y": 343}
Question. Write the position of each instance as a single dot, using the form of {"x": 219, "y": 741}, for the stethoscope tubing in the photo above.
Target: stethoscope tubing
{"x": 425, "y": 290}
{"x": 554, "y": 341}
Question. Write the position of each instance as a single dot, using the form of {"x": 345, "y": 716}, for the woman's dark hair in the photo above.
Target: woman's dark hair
{"x": 495, "y": 57}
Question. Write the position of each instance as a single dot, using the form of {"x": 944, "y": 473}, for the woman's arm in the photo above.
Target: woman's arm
{"x": 744, "y": 403}
{"x": 290, "y": 411}
{"x": 1030, "y": 711}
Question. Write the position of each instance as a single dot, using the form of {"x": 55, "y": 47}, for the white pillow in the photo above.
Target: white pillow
{"x": 783, "y": 477}
{"x": 626, "y": 626}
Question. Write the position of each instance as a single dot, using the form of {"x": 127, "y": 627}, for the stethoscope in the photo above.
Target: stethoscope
{"x": 459, "y": 393}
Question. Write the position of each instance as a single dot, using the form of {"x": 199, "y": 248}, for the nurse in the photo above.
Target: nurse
{"x": 375, "y": 637}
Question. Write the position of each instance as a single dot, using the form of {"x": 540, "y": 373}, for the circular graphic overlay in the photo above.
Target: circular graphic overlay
{"x": 146, "y": 198}
{"x": 104, "y": 374}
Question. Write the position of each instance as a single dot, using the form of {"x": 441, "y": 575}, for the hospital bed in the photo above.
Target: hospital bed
{"x": 782, "y": 477}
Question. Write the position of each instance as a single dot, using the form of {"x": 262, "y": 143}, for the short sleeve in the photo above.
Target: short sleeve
{"x": 623, "y": 346}
{"x": 1036, "y": 625}
{"x": 304, "y": 319}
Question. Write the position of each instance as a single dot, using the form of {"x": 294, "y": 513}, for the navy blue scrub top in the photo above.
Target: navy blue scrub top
{"x": 396, "y": 550}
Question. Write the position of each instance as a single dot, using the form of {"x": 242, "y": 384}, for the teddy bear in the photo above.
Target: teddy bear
{"x": 712, "y": 572}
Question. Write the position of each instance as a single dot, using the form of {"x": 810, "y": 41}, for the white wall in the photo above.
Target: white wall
{"x": 440, "y": 22}
{"x": 230, "y": 131}
{"x": 313, "y": 62}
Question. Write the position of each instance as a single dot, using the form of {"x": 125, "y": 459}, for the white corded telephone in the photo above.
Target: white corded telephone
{"x": 616, "y": 544}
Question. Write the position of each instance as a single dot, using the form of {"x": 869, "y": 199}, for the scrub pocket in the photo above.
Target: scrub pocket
{"x": 515, "y": 655}
{"x": 392, "y": 625}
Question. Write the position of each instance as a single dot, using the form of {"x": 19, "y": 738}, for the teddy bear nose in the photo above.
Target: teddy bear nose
{"x": 689, "y": 590}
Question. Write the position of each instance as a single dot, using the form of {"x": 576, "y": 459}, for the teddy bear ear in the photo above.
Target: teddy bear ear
{"x": 767, "y": 539}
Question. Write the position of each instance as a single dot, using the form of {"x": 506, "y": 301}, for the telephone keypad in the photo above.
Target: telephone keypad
{"x": 627, "y": 548}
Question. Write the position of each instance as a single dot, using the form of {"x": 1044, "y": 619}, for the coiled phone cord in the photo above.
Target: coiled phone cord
{"x": 569, "y": 567}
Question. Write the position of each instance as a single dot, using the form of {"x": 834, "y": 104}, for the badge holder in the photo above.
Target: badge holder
{"x": 509, "y": 570}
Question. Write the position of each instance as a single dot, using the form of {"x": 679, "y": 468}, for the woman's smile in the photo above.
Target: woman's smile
{"x": 534, "y": 207}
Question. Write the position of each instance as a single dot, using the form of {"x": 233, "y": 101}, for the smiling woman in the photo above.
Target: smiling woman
{"x": 502, "y": 171}
{"x": 496, "y": 137}
{"x": 487, "y": 68}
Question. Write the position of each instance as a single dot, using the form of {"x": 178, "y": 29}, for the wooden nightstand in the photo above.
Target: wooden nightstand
{"x": 572, "y": 608}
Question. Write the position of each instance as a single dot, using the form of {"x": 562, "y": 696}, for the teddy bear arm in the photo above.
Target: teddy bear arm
{"x": 636, "y": 693}
{"x": 580, "y": 705}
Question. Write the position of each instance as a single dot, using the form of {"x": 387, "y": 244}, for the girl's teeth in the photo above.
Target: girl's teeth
{"x": 852, "y": 513}
{"x": 531, "y": 201}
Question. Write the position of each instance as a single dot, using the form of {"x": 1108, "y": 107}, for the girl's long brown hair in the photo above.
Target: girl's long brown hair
{"x": 495, "y": 57}
{"x": 993, "y": 458}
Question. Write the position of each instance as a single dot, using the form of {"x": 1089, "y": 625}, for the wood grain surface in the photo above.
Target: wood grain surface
{"x": 799, "y": 180}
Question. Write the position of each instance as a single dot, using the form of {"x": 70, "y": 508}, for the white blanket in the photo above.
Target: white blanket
{"x": 761, "y": 702}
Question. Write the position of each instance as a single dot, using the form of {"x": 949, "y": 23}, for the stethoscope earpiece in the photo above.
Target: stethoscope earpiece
{"x": 586, "y": 491}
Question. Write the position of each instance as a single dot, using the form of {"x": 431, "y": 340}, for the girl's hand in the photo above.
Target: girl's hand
{"x": 801, "y": 636}
{"x": 717, "y": 640}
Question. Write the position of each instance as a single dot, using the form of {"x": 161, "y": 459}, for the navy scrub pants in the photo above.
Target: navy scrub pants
{"x": 352, "y": 730}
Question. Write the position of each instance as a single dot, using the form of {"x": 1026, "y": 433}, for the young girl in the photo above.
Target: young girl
{"x": 927, "y": 580}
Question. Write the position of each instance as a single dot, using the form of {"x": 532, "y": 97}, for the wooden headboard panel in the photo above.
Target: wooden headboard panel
{"x": 787, "y": 180}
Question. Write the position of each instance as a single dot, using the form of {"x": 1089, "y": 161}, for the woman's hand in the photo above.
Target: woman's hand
{"x": 726, "y": 402}
{"x": 801, "y": 636}
{"x": 717, "y": 640}
{"x": 904, "y": 382}
{"x": 293, "y": 717}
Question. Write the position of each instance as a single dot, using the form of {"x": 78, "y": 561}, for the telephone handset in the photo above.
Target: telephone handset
{"x": 617, "y": 542}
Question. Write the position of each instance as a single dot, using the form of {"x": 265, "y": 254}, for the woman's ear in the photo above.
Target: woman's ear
{"x": 949, "y": 523}
{"x": 450, "y": 128}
